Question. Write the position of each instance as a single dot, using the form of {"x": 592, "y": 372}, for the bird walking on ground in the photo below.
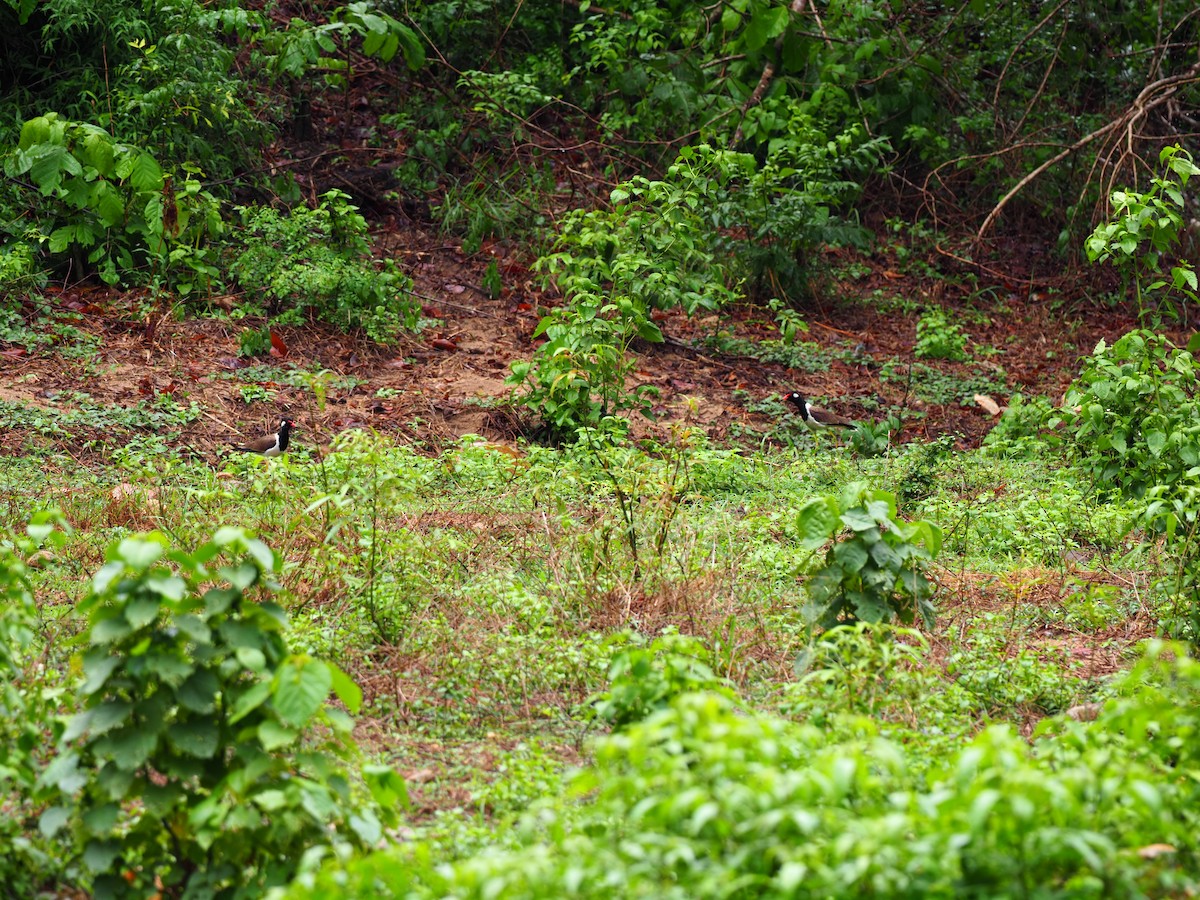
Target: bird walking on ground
{"x": 815, "y": 418}
{"x": 272, "y": 444}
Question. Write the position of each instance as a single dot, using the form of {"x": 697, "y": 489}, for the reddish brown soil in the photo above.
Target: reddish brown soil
{"x": 443, "y": 374}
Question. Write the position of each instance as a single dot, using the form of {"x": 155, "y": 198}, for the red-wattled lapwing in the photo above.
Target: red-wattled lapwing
{"x": 814, "y": 418}
{"x": 272, "y": 444}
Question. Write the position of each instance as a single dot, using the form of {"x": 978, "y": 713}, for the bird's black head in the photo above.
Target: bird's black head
{"x": 286, "y": 424}
{"x": 797, "y": 399}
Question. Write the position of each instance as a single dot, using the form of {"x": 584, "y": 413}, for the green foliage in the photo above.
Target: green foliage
{"x": 318, "y": 262}
{"x": 153, "y": 75}
{"x": 1131, "y": 417}
{"x": 1001, "y": 683}
{"x": 111, "y": 204}
{"x": 876, "y": 572}
{"x": 1020, "y": 428}
{"x": 934, "y": 386}
{"x": 702, "y": 795}
{"x": 645, "y": 679}
{"x": 1144, "y": 229}
{"x": 27, "y": 714}
{"x": 254, "y": 341}
{"x": 614, "y": 268}
{"x": 164, "y": 416}
{"x": 206, "y": 757}
{"x": 937, "y": 338}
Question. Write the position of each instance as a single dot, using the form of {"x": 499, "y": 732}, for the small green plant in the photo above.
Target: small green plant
{"x": 254, "y": 341}
{"x": 207, "y": 760}
{"x": 615, "y": 267}
{"x": 491, "y": 283}
{"x": 875, "y": 437}
{"x": 318, "y": 262}
{"x": 938, "y": 338}
{"x": 875, "y": 572}
{"x": 646, "y": 678}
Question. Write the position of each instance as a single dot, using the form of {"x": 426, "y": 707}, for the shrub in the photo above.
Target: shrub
{"x": 703, "y": 796}
{"x": 206, "y": 760}
{"x": 318, "y": 262}
{"x": 27, "y": 714}
{"x": 875, "y": 573}
{"x": 937, "y": 338}
{"x": 110, "y": 204}
{"x": 645, "y": 679}
{"x": 1131, "y": 417}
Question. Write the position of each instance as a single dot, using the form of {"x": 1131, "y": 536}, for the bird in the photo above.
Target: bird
{"x": 271, "y": 444}
{"x": 814, "y": 418}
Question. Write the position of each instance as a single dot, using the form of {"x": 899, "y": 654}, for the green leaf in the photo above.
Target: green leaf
{"x": 274, "y": 735}
{"x": 249, "y": 701}
{"x": 198, "y": 737}
{"x": 851, "y": 555}
{"x": 816, "y": 522}
{"x": 387, "y": 786}
{"x": 764, "y": 25}
{"x": 53, "y": 819}
{"x": 128, "y": 748}
{"x": 99, "y": 820}
{"x": 302, "y": 685}
{"x": 139, "y": 554}
{"x": 108, "y": 715}
{"x": 858, "y": 519}
{"x": 99, "y": 855}
{"x": 199, "y": 692}
{"x": 347, "y": 691}
{"x": 1155, "y": 441}
{"x": 97, "y": 667}
{"x": 142, "y": 610}
{"x": 145, "y": 174}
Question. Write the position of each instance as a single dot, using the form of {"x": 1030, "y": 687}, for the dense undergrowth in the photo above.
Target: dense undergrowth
{"x": 806, "y": 762}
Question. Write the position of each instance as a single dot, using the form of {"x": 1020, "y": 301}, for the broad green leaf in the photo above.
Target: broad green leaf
{"x": 199, "y": 692}
{"x": 108, "y": 715}
{"x": 128, "y": 748}
{"x": 198, "y": 737}
{"x": 302, "y": 685}
{"x": 108, "y": 631}
{"x": 145, "y": 174}
{"x": 251, "y": 700}
{"x": 142, "y": 610}
{"x": 816, "y": 522}
{"x": 97, "y": 666}
{"x": 1155, "y": 441}
{"x": 99, "y": 820}
{"x": 347, "y": 691}
{"x": 53, "y": 819}
{"x": 851, "y": 555}
{"x": 765, "y": 24}
{"x": 858, "y": 519}
{"x": 274, "y": 735}
{"x": 99, "y": 855}
{"x": 139, "y": 554}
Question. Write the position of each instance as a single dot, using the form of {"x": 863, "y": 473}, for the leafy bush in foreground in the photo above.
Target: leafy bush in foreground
{"x": 705, "y": 800}
{"x": 206, "y": 761}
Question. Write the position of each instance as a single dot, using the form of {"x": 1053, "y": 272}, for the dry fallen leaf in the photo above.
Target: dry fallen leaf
{"x": 989, "y": 405}
{"x": 1084, "y": 712}
{"x": 1150, "y": 851}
